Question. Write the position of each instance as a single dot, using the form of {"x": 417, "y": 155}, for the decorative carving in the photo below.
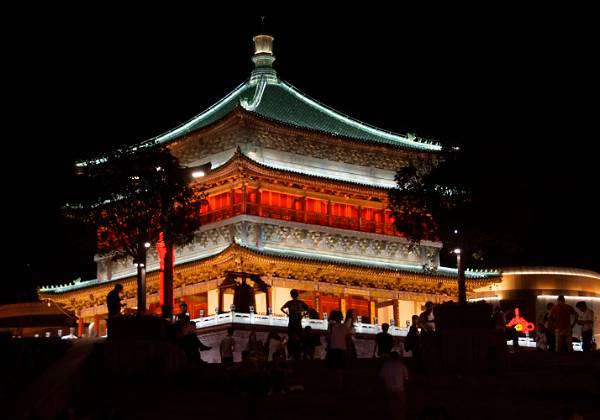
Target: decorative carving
{"x": 392, "y": 248}
{"x": 378, "y": 247}
{"x": 332, "y": 240}
{"x": 347, "y": 242}
{"x": 268, "y": 231}
{"x": 316, "y": 237}
{"x": 363, "y": 244}
{"x": 213, "y": 235}
{"x": 231, "y": 133}
{"x": 300, "y": 234}
{"x": 201, "y": 239}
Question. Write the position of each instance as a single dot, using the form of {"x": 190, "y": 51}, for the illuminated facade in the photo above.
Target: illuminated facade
{"x": 297, "y": 195}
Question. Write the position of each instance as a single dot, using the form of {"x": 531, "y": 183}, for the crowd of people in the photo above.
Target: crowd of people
{"x": 264, "y": 365}
{"x": 555, "y": 331}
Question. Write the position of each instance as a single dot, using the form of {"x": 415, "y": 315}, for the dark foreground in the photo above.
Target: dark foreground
{"x": 531, "y": 386}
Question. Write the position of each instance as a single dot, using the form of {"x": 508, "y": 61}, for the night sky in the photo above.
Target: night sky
{"x": 519, "y": 88}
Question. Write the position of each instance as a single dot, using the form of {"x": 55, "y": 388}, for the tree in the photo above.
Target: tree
{"x": 467, "y": 199}
{"x": 433, "y": 201}
{"x": 131, "y": 198}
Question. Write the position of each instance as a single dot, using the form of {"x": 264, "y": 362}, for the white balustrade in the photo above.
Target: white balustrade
{"x": 282, "y": 321}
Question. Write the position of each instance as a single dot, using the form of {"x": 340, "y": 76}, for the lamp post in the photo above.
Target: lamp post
{"x": 462, "y": 288}
{"x": 140, "y": 263}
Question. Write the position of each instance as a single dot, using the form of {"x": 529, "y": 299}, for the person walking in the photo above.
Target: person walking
{"x": 560, "y": 317}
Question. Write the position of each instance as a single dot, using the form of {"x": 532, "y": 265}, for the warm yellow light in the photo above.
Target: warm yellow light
{"x": 198, "y": 174}
{"x": 557, "y": 272}
{"x": 457, "y": 251}
{"x": 147, "y": 245}
{"x": 263, "y": 44}
{"x": 569, "y": 297}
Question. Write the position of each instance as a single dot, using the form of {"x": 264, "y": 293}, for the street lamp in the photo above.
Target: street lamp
{"x": 462, "y": 289}
{"x": 140, "y": 263}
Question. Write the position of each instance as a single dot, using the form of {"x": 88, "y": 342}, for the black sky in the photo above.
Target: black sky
{"x": 518, "y": 87}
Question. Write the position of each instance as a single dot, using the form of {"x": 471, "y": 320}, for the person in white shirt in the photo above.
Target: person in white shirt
{"x": 586, "y": 320}
{"x": 71, "y": 335}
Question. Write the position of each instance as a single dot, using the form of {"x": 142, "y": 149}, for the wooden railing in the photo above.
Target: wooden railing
{"x": 299, "y": 216}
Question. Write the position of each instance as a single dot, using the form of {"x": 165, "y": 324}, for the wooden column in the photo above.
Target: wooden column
{"x": 396, "y": 312}
{"x": 258, "y": 201}
{"x": 220, "y": 304}
{"x": 97, "y": 325}
{"x": 232, "y": 202}
{"x": 244, "y": 198}
{"x": 269, "y": 298}
{"x": 359, "y": 208}
{"x": 343, "y": 304}
{"x": 372, "y": 311}
{"x": 80, "y": 325}
{"x": 317, "y": 302}
{"x": 304, "y": 215}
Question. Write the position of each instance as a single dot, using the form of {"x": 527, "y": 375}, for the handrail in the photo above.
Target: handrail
{"x": 241, "y": 318}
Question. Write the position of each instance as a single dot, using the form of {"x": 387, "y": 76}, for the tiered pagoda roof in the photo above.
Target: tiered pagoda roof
{"x": 267, "y": 96}
{"x": 298, "y": 266}
{"x": 281, "y": 102}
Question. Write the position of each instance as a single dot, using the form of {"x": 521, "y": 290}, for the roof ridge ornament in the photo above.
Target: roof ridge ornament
{"x": 263, "y": 59}
{"x": 258, "y": 94}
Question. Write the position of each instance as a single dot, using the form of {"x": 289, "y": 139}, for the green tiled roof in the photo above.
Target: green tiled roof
{"x": 301, "y": 256}
{"x": 283, "y": 103}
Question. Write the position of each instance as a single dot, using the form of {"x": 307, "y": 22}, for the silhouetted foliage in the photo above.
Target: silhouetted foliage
{"x": 430, "y": 198}
{"x": 134, "y": 196}
{"x": 446, "y": 198}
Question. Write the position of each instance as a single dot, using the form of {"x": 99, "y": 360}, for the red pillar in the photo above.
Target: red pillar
{"x": 160, "y": 249}
{"x": 97, "y": 325}
{"x": 80, "y": 326}
{"x": 244, "y": 198}
{"x": 269, "y": 298}
{"x": 343, "y": 304}
{"x": 166, "y": 278}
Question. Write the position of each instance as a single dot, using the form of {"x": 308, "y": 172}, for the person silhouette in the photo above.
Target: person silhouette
{"x": 227, "y": 347}
{"x": 295, "y": 310}
{"x": 113, "y": 301}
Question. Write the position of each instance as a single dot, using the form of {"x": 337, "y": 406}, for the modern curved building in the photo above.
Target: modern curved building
{"x": 532, "y": 288}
